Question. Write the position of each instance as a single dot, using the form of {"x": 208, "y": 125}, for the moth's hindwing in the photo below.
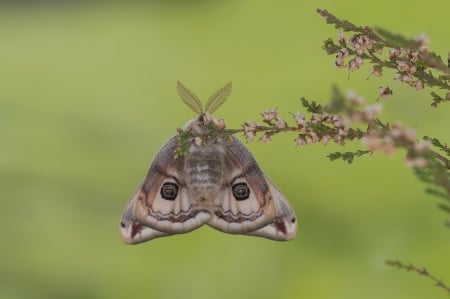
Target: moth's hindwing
{"x": 284, "y": 226}
{"x": 133, "y": 232}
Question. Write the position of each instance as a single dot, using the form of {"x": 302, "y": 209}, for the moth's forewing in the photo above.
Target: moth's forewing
{"x": 175, "y": 215}
{"x": 245, "y": 215}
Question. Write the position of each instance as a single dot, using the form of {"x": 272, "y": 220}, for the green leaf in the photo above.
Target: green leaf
{"x": 218, "y": 98}
{"x": 347, "y": 156}
{"x": 189, "y": 98}
{"x": 436, "y": 57}
{"x": 438, "y": 193}
{"x": 337, "y": 103}
{"x": 445, "y": 208}
{"x": 395, "y": 40}
{"x": 437, "y": 143}
{"x": 312, "y": 107}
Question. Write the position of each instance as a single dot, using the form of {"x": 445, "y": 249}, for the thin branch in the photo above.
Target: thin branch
{"x": 422, "y": 271}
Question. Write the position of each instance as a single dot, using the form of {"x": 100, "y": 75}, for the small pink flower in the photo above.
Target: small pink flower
{"x": 419, "y": 84}
{"x": 339, "y": 62}
{"x": 219, "y": 123}
{"x": 342, "y": 132}
{"x": 412, "y": 70}
{"x": 265, "y": 138}
{"x": 341, "y": 37}
{"x": 402, "y": 66}
{"x": 422, "y": 40}
{"x": 300, "y": 140}
{"x": 325, "y": 139}
{"x": 397, "y": 130}
{"x": 250, "y": 136}
{"x": 418, "y": 162}
{"x": 198, "y": 141}
{"x": 376, "y": 70}
{"x": 385, "y": 92}
{"x": 339, "y": 122}
{"x": 422, "y": 146}
{"x": 280, "y": 123}
{"x": 372, "y": 142}
{"x": 339, "y": 139}
{"x": 250, "y": 126}
{"x": 269, "y": 115}
{"x": 410, "y": 135}
{"x": 394, "y": 53}
{"x": 354, "y": 65}
{"x": 326, "y": 117}
{"x": 299, "y": 119}
{"x": 355, "y": 99}
{"x": 316, "y": 118}
{"x": 371, "y": 112}
{"x": 388, "y": 145}
{"x": 407, "y": 79}
{"x": 413, "y": 56}
{"x": 343, "y": 52}
{"x": 314, "y": 137}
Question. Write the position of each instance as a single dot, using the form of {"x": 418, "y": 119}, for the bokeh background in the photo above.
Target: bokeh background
{"x": 87, "y": 97}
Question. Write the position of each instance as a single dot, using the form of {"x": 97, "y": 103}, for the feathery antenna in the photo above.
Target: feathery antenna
{"x": 214, "y": 102}
{"x": 218, "y": 98}
{"x": 189, "y": 98}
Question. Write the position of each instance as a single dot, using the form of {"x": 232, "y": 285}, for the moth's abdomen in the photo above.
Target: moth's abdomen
{"x": 204, "y": 168}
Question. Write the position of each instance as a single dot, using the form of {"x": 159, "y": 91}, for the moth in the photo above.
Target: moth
{"x": 216, "y": 181}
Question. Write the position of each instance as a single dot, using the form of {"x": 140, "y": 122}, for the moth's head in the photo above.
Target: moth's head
{"x": 197, "y": 126}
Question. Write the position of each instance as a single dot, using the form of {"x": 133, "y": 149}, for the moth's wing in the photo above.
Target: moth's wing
{"x": 284, "y": 225}
{"x": 245, "y": 215}
{"x": 133, "y": 232}
{"x": 177, "y": 215}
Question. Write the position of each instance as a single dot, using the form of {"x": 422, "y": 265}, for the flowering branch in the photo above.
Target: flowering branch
{"x": 422, "y": 271}
{"x": 412, "y": 63}
{"x": 410, "y": 58}
{"x": 348, "y": 117}
{"x": 340, "y": 121}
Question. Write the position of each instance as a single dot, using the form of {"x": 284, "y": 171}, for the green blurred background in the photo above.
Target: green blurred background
{"x": 87, "y": 97}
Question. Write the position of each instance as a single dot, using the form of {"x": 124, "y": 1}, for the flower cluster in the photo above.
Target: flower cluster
{"x": 409, "y": 58}
{"x": 250, "y": 129}
{"x": 338, "y": 122}
{"x": 218, "y": 123}
{"x": 388, "y": 138}
{"x": 321, "y": 125}
{"x": 361, "y": 46}
{"x": 358, "y": 46}
{"x": 406, "y": 63}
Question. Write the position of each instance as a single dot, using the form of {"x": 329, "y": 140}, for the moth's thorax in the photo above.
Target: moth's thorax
{"x": 205, "y": 167}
